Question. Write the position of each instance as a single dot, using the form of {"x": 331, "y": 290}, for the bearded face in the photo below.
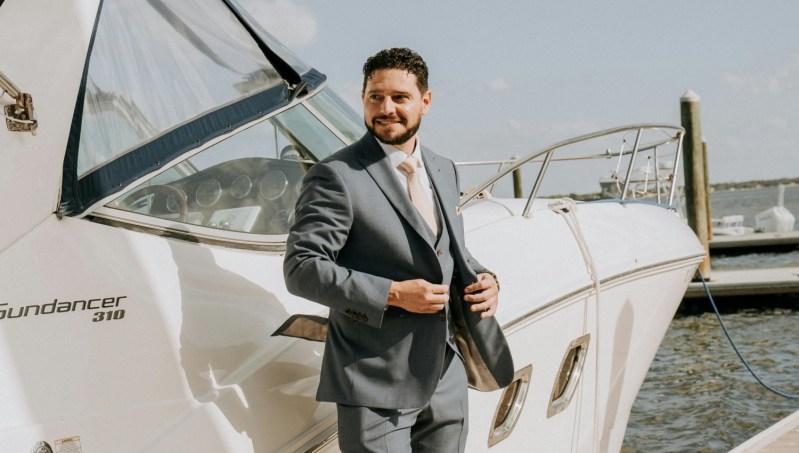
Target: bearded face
{"x": 393, "y": 107}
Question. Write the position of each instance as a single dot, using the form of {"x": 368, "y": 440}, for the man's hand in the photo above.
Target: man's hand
{"x": 418, "y": 296}
{"x": 484, "y": 295}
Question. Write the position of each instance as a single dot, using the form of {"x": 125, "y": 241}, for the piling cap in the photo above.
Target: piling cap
{"x": 689, "y": 96}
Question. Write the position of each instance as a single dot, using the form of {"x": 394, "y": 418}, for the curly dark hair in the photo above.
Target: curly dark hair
{"x": 397, "y": 58}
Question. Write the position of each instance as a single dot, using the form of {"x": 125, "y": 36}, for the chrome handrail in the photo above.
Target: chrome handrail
{"x": 547, "y": 155}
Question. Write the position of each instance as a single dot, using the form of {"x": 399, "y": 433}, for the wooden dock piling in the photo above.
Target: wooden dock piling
{"x": 696, "y": 185}
{"x": 517, "y": 181}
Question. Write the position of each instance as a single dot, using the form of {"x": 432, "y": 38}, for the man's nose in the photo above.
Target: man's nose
{"x": 387, "y": 107}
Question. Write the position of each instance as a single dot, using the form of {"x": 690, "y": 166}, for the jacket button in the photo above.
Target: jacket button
{"x": 442, "y": 316}
{"x": 439, "y": 252}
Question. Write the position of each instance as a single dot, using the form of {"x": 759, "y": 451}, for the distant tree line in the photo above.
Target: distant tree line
{"x": 754, "y": 184}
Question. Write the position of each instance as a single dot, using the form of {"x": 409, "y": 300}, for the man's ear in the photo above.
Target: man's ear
{"x": 427, "y": 98}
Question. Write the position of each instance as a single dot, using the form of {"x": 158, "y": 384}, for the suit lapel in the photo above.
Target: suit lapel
{"x": 374, "y": 160}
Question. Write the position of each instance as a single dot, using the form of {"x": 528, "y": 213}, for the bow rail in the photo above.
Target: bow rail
{"x": 650, "y": 139}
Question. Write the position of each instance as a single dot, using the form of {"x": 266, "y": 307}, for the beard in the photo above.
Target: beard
{"x": 388, "y": 139}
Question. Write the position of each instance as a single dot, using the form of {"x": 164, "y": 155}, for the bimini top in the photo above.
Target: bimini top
{"x": 162, "y": 77}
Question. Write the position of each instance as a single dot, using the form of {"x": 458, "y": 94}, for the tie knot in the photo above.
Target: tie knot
{"x": 409, "y": 164}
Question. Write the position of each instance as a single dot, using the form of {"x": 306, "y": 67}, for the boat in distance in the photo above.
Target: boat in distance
{"x": 153, "y": 153}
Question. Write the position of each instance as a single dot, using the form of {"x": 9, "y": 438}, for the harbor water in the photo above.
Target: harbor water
{"x": 698, "y": 396}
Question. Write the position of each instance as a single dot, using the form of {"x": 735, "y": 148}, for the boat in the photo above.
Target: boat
{"x": 651, "y": 180}
{"x": 730, "y": 225}
{"x": 776, "y": 219}
{"x": 152, "y": 157}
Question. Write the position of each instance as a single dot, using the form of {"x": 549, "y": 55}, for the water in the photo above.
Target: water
{"x": 697, "y": 396}
{"x": 749, "y": 202}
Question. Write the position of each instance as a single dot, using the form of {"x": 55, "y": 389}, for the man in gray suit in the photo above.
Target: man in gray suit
{"x": 411, "y": 311}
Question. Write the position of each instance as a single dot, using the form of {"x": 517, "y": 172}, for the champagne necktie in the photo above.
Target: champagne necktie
{"x": 418, "y": 196}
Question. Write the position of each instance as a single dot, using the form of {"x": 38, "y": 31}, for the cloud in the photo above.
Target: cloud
{"x": 550, "y": 130}
{"x": 291, "y": 24}
{"x": 784, "y": 79}
{"x": 496, "y": 85}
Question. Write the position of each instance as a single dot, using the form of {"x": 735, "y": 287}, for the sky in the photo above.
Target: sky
{"x": 511, "y": 77}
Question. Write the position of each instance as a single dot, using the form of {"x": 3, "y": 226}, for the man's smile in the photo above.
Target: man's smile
{"x": 389, "y": 120}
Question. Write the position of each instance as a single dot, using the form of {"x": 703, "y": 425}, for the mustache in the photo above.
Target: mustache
{"x": 389, "y": 117}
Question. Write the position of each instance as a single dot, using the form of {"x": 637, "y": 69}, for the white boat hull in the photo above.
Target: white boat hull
{"x": 175, "y": 349}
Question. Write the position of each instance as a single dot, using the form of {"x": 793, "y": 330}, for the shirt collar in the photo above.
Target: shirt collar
{"x": 395, "y": 155}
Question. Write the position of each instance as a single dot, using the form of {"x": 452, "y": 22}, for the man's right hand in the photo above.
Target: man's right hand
{"x": 418, "y": 296}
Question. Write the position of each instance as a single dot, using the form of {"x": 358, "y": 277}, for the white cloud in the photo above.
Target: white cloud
{"x": 777, "y": 123}
{"x": 496, "y": 85}
{"x": 549, "y": 130}
{"x": 783, "y": 80}
{"x": 291, "y": 24}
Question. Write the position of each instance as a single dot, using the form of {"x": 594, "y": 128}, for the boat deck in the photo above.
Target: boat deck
{"x": 782, "y": 437}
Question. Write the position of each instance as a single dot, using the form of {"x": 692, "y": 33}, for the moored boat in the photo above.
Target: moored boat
{"x": 153, "y": 153}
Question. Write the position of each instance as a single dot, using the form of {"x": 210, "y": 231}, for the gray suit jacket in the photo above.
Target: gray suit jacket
{"x": 355, "y": 232}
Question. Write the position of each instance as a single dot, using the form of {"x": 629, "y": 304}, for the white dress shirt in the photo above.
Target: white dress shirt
{"x": 395, "y": 156}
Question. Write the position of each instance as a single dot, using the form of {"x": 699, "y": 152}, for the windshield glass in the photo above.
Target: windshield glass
{"x": 158, "y": 64}
{"x": 249, "y": 181}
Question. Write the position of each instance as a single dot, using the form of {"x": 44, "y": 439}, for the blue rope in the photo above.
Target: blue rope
{"x": 740, "y": 356}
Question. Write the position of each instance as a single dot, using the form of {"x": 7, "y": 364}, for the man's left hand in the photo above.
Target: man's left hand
{"x": 484, "y": 295}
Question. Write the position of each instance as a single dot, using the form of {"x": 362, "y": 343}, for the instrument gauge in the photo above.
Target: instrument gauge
{"x": 173, "y": 201}
{"x": 208, "y": 193}
{"x": 273, "y": 185}
{"x": 240, "y": 187}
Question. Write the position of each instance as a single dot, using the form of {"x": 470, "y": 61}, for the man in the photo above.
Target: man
{"x": 378, "y": 240}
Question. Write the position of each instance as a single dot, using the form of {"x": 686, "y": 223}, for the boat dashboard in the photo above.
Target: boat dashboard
{"x": 250, "y": 195}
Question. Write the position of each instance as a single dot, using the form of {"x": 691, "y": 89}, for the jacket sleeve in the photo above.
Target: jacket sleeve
{"x": 322, "y": 224}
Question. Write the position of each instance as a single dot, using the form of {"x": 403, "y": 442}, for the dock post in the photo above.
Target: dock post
{"x": 695, "y": 181}
{"x": 707, "y": 193}
{"x": 517, "y": 180}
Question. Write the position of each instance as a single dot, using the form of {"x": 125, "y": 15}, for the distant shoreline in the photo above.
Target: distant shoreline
{"x": 754, "y": 184}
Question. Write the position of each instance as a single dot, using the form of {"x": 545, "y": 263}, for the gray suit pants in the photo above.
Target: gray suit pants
{"x": 439, "y": 426}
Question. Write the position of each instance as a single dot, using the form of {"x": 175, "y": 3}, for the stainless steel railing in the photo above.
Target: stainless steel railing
{"x": 666, "y": 137}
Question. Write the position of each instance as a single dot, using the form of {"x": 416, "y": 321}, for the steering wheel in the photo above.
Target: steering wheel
{"x": 161, "y": 194}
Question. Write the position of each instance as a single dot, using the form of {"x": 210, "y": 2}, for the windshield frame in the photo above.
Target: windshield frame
{"x": 198, "y": 233}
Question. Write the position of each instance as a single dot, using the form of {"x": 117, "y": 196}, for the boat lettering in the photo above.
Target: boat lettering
{"x": 109, "y": 305}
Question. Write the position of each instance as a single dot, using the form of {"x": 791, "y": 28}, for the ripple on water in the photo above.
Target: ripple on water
{"x": 698, "y": 397}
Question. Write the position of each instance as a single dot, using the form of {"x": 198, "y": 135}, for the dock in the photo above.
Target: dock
{"x": 747, "y": 282}
{"x": 782, "y": 437}
{"x": 755, "y": 242}
{"x": 750, "y": 282}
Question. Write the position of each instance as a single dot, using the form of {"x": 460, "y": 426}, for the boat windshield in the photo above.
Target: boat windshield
{"x": 249, "y": 181}
{"x": 158, "y": 64}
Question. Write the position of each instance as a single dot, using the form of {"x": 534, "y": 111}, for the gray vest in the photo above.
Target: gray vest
{"x": 444, "y": 253}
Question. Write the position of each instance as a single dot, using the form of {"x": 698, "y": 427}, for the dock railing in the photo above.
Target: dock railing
{"x": 656, "y": 141}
